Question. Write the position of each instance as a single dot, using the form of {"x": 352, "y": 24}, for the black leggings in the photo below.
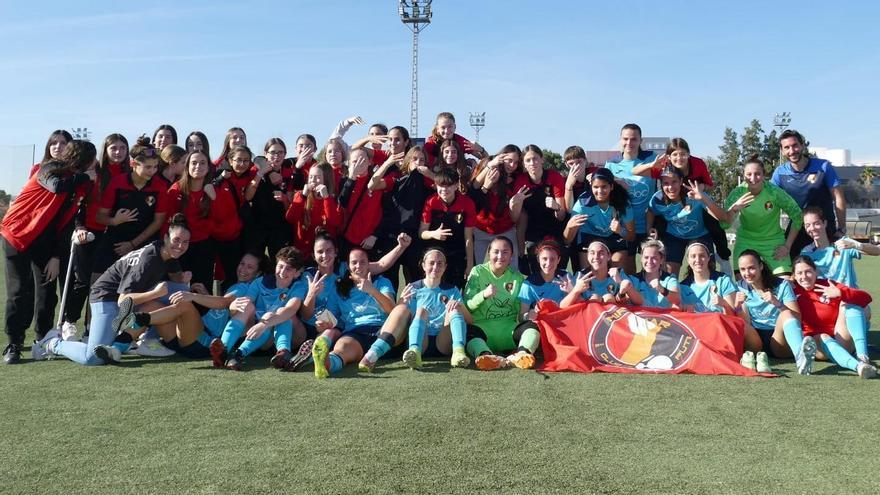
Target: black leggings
{"x": 230, "y": 253}
{"x": 26, "y": 290}
{"x": 199, "y": 259}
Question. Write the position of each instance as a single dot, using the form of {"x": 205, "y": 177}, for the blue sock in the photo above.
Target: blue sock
{"x": 837, "y": 353}
{"x": 417, "y": 330}
{"x": 857, "y": 325}
{"x": 794, "y": 335}
{"x": 122, "y": 346}
{"x": 283, "y": 335}
{"x": 380, "y": 347}
{"x": 459, "y": 330}
{"x": 249, "y": 346}
{"x": 233, "y": 331}
{"x": 336, "y": 363}
{"x": 205, "y": 339}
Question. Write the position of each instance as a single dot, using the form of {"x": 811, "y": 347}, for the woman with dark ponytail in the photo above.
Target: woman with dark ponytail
{"x": 137, "y": 281}
{"x": 36, "y": 231}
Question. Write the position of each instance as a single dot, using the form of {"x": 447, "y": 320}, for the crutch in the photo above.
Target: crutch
{"x": 74, "y": 241}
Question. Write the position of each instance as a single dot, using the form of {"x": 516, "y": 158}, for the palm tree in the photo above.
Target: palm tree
{"x": 867, "y": 177}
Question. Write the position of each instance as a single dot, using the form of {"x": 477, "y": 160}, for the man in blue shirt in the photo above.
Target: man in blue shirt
{"x": 811, "y": 182}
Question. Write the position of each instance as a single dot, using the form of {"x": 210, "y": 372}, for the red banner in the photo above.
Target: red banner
{"x": 591, "y": 337}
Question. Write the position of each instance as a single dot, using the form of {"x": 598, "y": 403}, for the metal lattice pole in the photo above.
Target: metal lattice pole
{"x": 415, "y": 14}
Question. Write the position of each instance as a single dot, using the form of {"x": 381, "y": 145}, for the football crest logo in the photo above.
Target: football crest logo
{"x": 459, "y": 217}
{"x": 768, "y": 205}
{"x": 151, "y": 200}
{"x": 509, "y": 287}
{"x": 653, "y": 342}
{"x": 444, "y": 298}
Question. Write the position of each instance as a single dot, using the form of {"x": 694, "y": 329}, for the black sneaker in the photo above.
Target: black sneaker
{"x": 281, "y": 359}
{"x": 125, "y": 317}
{"x": 302, "y": 356}
{"x": 234, "y": 363}
{"x": 12, "y": 354}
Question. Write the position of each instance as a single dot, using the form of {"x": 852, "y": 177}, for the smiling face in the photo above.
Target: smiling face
{"x": 598, "y": 257}
{"x": 652, "y": 259}
{"x": 698, "y": 258}
{"x": 630, "y": 140}
{"x": 815, "y": 226}
{"x": 450, "y": 155}
{"x": 334, "y": 154}
{"x": 116, "y": 151}
{"x": 198, "y": 165}
{"x": 445, "y": 127}
{"x": 324, "y": 253}
{"x": 177, "y": 241}
{"x": 248, "y": 268}
{"x": 753, "y": 173}
{"x": 447, "y": 192}
{"x": 396, "y": 142}
{"x": 285, "y": 274}
{"x": 240, "y": 161}
{"x": 601, "y": 190}
{"x": 679, "y": 158}
{"x": 434, "y": 265}
{"x": 359, "y": 264}
{"x": 671, "y": 187}
{"x": 805, "y": 275}
{"x": 499, "y": 256}
{"x": 749, "y": 268}
{"x": 792, "y": 149}
{"x": 237, "y": 138}
{"x": 194, "y": 143}
{"x": 548, "y": 260}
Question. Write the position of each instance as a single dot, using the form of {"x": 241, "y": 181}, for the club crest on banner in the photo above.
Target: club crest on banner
{"x": 653, "y": 342}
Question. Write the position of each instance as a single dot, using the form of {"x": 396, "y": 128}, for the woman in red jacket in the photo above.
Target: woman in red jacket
{"x": 820, "y": 301}
{"x": 36, "y": 231}
{"x": 54, "y": 148}
{"x": 314, "y": 208}
{"x": 193, "y": 195}
{"x": 229, "y": 210}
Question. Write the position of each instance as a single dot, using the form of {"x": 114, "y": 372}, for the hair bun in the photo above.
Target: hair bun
{"x": 143, "y": 140}
{"x": 178, "y": 220}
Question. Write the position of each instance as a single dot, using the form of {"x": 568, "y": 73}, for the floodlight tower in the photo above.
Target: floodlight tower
{"x": 782, "y": 120}
{"x": 415, "y": 14}
{"x": 82, "y": 133}
{"x": 478, "y": 121}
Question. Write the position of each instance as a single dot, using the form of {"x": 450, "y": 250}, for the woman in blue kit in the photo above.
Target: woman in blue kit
{"x": 683, "y": 211}
{"x": 602, "y": 214}
{"x": 599, "y": 282}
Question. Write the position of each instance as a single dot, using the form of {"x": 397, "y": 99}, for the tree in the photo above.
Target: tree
{"x": 725, "y": 170}
{"x": 5, "y": 198}
{"x": 553, "y": 161}
{"x": 770, "y": 152}
{"x": 867, "y": 177}
{"x": 751, "y": 143}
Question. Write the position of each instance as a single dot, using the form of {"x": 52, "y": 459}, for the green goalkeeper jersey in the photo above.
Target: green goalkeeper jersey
{"x": 759, "y": 221}
{"x": 497, "y": 315}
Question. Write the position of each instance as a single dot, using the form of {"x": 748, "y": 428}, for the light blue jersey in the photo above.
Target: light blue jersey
{"x": 652, "y": 298}
{"x": 835, "y": 264}
{"x": 360, "y": 309}
{"x": 534, "y": 288}
{"x": 598, "y": 218}
{"x": 641, "y": 188}
{"x": 684, "y": 222}
{"x": 433, "y": 301}
{"x": 215, "y": 319}
{"x": 763, "y": 314}
{"x": 700, "y": 295}
{"x": 327, "y": 298}
{"x": 266, "y": 296}
{"x": 600, "y": 287}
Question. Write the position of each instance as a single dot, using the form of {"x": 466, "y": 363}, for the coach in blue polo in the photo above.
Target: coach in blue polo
{"x": 811, "y": 182}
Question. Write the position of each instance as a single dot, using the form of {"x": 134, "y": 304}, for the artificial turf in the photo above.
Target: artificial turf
{"x": 176, "y": 426}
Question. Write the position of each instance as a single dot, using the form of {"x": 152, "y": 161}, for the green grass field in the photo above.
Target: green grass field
{"x": 155, "y": 426}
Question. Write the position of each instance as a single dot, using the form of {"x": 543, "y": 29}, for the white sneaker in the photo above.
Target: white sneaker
{"x": 40, "y": 348}
{"x": 806, "y": 356}
{"x": 152, "y": 348}
{"x": 69, "y": 331}
{"x": 866, "y": 370}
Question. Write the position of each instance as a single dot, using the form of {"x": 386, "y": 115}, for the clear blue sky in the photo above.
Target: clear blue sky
{"x": 551, "y": 73}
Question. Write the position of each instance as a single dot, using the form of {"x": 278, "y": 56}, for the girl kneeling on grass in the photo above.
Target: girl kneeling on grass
{"x": 820, "y": 302}
{"x": 137, "y": 279}
{"x": 706, "y": 291}
{"x": 436, "y": 314}
{"x": 769, "y": 305}
{"x": 492, "y": 296}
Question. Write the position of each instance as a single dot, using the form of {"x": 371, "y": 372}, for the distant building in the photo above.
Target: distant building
{"x": 839, "y": 157}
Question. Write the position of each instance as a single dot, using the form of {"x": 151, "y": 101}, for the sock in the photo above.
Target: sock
{"x": 233, "y": 331}
{"x": 331, "y": 335}
{"x": 141, "y": 320}
{"x": 858, "y": 327}
{"x": 380, "y": 347}
{"x": 249, "y": 346}
{"x": 122, "y": 342}
{"x": 458, "y": 328}
{"x": 794, "y": 335}
{"x": 417, "y": 330}
{"x": 837, "y": 353}
{"x": 205, "y": 339}
{"x": 283, "y": 334}
{"x": 529, "y": 341}
{"x": 477, "y": 347}
{"x": 336, "y": 363}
